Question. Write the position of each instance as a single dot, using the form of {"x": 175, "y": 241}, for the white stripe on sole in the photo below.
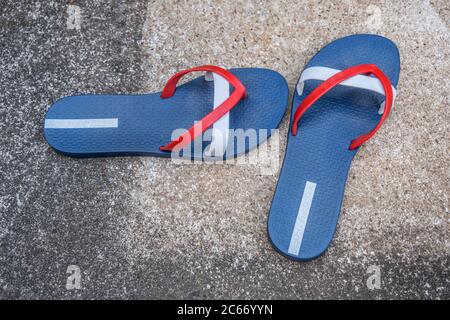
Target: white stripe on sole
{"x": 81, "y": 123}
{"x": 302, "y": 218}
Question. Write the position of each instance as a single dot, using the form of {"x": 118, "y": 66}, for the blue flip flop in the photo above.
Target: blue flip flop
{"x": 198, "y": 119}
{"x": 355, "y": 78}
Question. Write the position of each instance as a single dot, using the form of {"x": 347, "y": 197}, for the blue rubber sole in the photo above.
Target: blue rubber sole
{"x": 317, "y": 160}
{"x": 116, "y": 125}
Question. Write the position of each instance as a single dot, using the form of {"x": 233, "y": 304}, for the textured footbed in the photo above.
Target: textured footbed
{"x": 319, "y": 153}
{"x": 146, "y": 122}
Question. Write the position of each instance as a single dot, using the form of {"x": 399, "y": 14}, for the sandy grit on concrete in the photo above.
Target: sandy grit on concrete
{"x": 149, "y": 228}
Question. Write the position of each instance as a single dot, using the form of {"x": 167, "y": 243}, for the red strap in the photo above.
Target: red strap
{"x": 199, "y": 127}
{"x": 333, "y": 81}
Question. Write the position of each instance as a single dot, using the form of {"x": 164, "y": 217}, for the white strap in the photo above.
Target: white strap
{"x": 219, "y": 138}
{"x": 359, "y": 81}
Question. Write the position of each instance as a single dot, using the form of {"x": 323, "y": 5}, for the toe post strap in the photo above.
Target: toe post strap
{"x": 220, "y": 109}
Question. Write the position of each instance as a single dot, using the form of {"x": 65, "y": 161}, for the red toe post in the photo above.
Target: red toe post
{"x": 199, "y": 127}
{"x": 335, "y": 80}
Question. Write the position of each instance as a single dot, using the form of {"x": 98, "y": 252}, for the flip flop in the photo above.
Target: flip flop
{"x": 224, "y": 101}
{"x": 355, "y": 78}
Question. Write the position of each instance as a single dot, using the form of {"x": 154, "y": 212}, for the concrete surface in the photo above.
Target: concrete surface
{"x": 148, "y": 228}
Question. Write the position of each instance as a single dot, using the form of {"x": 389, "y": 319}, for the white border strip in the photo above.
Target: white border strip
{"x": 302, "y": 218}
{"x": 81, "y": 123}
